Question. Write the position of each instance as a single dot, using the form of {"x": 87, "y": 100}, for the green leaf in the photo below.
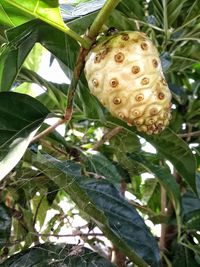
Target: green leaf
{"x": 21, "y": 41}
{"x": 49, "y": 12}
{"x": 174, "y": 8}
{"x": 10, "y": 17}
{"x": 44, "y": 10}
{"x": 20, "y": 118}
{"x": 73, "y": 9}
{"x": 184, "y": 257}
{"x": 132, "y": 9}
{"x": 103, "y": 203}
{"x": 57, "y": 255}
{"x": 178, "y": 153}
{"x": 164, "y": 176}
{"x": 123, "y": 219}
{"x": 172, "y": 147}
{"x": 102, "y": 166}
{"x": 191, "y": 211}
{"x": 13, "y": 54}
{"x": 5, "y": 222}
{"x": 40, "y": 205}
{"x": 148, "y": 189}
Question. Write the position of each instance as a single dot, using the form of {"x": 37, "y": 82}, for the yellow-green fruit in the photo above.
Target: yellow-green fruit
{"x": 124, "y": 72}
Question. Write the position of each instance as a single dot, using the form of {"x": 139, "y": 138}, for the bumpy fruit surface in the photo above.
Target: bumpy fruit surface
{"x": 124, "y": 72}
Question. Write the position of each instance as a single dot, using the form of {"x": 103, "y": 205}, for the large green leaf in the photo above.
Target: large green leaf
{"x": 9, "y": 16}
{"x": 13, "y": 54}
{"x": 172, "y": 147}
{"x": 184, "y": 257}
{"x": 178, "y": 153}
{"x": 20, "y": 118}
{"x": 22, "y": 39}
{"x": 191, "y": 211}
{"x": 46, "y": 11}
{"x": 164, "y": 176}
{"x": 103, "y": 203}
{"x": 57, "y": 255}
{"x": 5, "y": 222}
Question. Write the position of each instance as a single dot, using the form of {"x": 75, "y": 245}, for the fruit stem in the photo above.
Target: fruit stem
{"x": 102, "y": 17}
{"x": 91, "y": 35}
{"x": 89, "y": 38}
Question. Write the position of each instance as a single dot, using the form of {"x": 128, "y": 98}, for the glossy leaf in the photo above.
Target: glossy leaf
{"x": 10, "y": 17}
{"x": 123, "y": 219}
{"x": 5, "y": 222}
{"x": 57, "y": 255}
{"x": 20, "y": 118}
{"x": 102, "y": 201}
{"x": 178, "y": 153}
{"x": 102, "y": 166}
{"x": 172, "y": 147}
{"x": 74, "y": 9}
{"x": 48, "y": 12}
{"x": 164, "y": 176}
{"x": 184, "y": 257}
{"x": 132, "y": 9}
{"x": 13, "y": 55}
{"x": 191, "y": 211}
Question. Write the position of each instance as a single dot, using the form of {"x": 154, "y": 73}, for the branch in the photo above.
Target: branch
{"x": 196, "y": 133}
{"x": 91, "y": 35}
{"x": 37, "y": 210}
{"x": 48, "y": 130}
{"x": 107, "y": 136}
{"x": 68, "y": 235}
{"x": 163, "y": 226}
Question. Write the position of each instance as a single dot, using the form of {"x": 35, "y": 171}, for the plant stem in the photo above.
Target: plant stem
{"x": 163, "y": 210}
{"x": 107, "y": 136}
{"x": 92, "y": 34}
{"x": 75, "y": 78}
{"x": 102, "y": 17}
{"x": 165, "y": 19}
{"x": 67, "y": 235}
{"x": 48, "y": 130}
{"x": 196, "y": 133}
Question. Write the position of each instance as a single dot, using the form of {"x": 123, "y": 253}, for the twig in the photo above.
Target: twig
{"x": 107, "y": 136}
{"x": 91, "y": 34}
{"x": 76, "y": 75}
{"x": 48, "y": 130}
{"x": 50, "y": 146}
{"x": 68, "y": 235}
{"x": 163, "y": 226}
{"x": 143, "y": 209}
{"x": 196, "y": 133}
{"x": 37, "y": 210}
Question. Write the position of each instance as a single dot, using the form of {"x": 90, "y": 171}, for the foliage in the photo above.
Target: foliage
{"x": 93, "y": 168}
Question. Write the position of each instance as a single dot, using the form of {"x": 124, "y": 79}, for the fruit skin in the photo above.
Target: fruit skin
{"x": 124, "y": 72}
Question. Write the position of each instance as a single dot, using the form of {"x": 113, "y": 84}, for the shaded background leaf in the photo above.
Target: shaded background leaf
{"x": 20, "y": 118}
